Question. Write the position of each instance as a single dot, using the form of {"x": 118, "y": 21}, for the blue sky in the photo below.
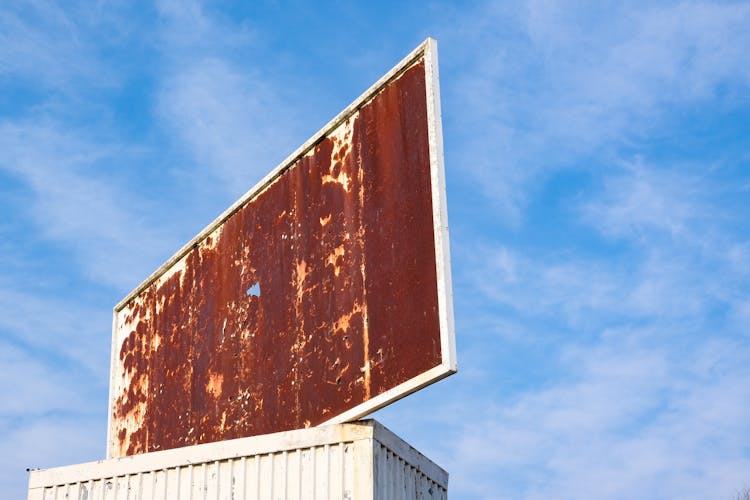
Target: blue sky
{"x": 598, "y": 174}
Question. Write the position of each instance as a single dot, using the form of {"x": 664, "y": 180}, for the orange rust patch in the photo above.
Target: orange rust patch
{"x": 301, "y": 271}
{"x": 155, "y": 342}
{"x": 341, "y": 179}
{"x": 333, "y": 259}
{"x": 215, "y": 381}
{"x": 341, "y": 325}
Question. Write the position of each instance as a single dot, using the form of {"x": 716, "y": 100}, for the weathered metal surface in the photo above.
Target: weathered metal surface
{"x": 362, "y": 461}
{"x": 317, "y": 294}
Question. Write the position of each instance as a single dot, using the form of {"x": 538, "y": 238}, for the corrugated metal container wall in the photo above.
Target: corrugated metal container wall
{"x": 362, "y": 460}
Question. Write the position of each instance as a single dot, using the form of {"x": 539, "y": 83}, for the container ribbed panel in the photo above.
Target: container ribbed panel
{"x": 397, "y": 479}
{"x": 339, "y": 462}
{"x": 323, "y": 472}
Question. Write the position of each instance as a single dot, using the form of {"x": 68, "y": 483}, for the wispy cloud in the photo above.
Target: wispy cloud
{"x": 642, "y": 387}
{"x": 47, "y": 46}
{"x": 190, "y": 30}
{"x": 38, "y": 388}
{"x": 687, "y": 224}
{"x": 231, "y": 118}
{"x": 50, "y": 413}
{"x": 637, "y": 412}
{"x": 630, "y": 420}
{"x": 47, "y": 442}
{"x": 73, "y": 205}
{"x": 62, "y": 331}
{"x": 232, "y": 122}
{"x": 675, "y": 250}
{"x": 581, "y": 291}
{"x": 576, "y": 80}
{"x": 642, "y": 199}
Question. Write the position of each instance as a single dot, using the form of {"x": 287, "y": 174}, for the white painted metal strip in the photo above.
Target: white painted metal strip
{"x": 409, "y": 454}
{"x": 440, "y": 207}
{"x": 378, "y": 466}
{"x": 430, "y": 376}
{"x": 268, "y": 443}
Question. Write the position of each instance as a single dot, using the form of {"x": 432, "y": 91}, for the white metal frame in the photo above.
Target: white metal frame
{"x": 448, "y": 366}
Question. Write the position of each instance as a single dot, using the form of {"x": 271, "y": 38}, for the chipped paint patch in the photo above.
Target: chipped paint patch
{"x": 215, "y": 380}
{"x": 301, "y": 272}
{"x": 337, "y": 177}
{"x": 341, "y": 325}
{"x": 341, "y": 138}
{"x": 334, "y": 259}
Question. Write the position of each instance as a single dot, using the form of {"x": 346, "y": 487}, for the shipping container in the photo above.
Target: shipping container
{"x": 359, "y": 460}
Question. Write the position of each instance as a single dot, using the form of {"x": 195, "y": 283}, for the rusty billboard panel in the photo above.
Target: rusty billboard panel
{"x": 321, "y": 295}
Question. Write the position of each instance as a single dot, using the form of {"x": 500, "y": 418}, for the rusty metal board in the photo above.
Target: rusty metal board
{"x": 320, "y": 296}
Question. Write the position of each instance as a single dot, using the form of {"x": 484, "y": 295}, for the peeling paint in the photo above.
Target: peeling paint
{"x": 341, "y": 249}
{"x": 335, "y": 259}
{"x": 214, "y": 384}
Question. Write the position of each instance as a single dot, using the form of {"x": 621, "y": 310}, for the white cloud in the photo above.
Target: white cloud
{"x": 191, "y": 31}
{"x": 738, "y": 255}
{"x": 614, "y": 69}
{"x": 72, "y": 204}
{"x": 229, "y": 115}
{"x": 642, "y": 199}
{"x": 740, "y": 315}
{"x": 580, "y": 79}
{"x": 231, "y": 121}
{"x": 37, "y": 388}
{"x": 633, "y": 412}
{"x": 630, "y": 420}
{"x": 44, "y": 44}
{"x": 48, "y": 442}
{"x": 69, "y": 331}
{"x": 690, "y": 239}
{"x": 658, "y": 284}
{"x": 643, "y": 390}
{"x": 48, "y": 416}
{"x": 571, "y": 289}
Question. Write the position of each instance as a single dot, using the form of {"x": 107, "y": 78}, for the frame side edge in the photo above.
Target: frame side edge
{"x": 440, "y": 209}
{"x": 110, "y": 399}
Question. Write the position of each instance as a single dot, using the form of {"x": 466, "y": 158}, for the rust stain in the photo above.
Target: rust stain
{"x": 335, "y": 259}
{"x": 214, "y": 384}
{"x": 270, "y": 322}
{"x": 341, "y": 325}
